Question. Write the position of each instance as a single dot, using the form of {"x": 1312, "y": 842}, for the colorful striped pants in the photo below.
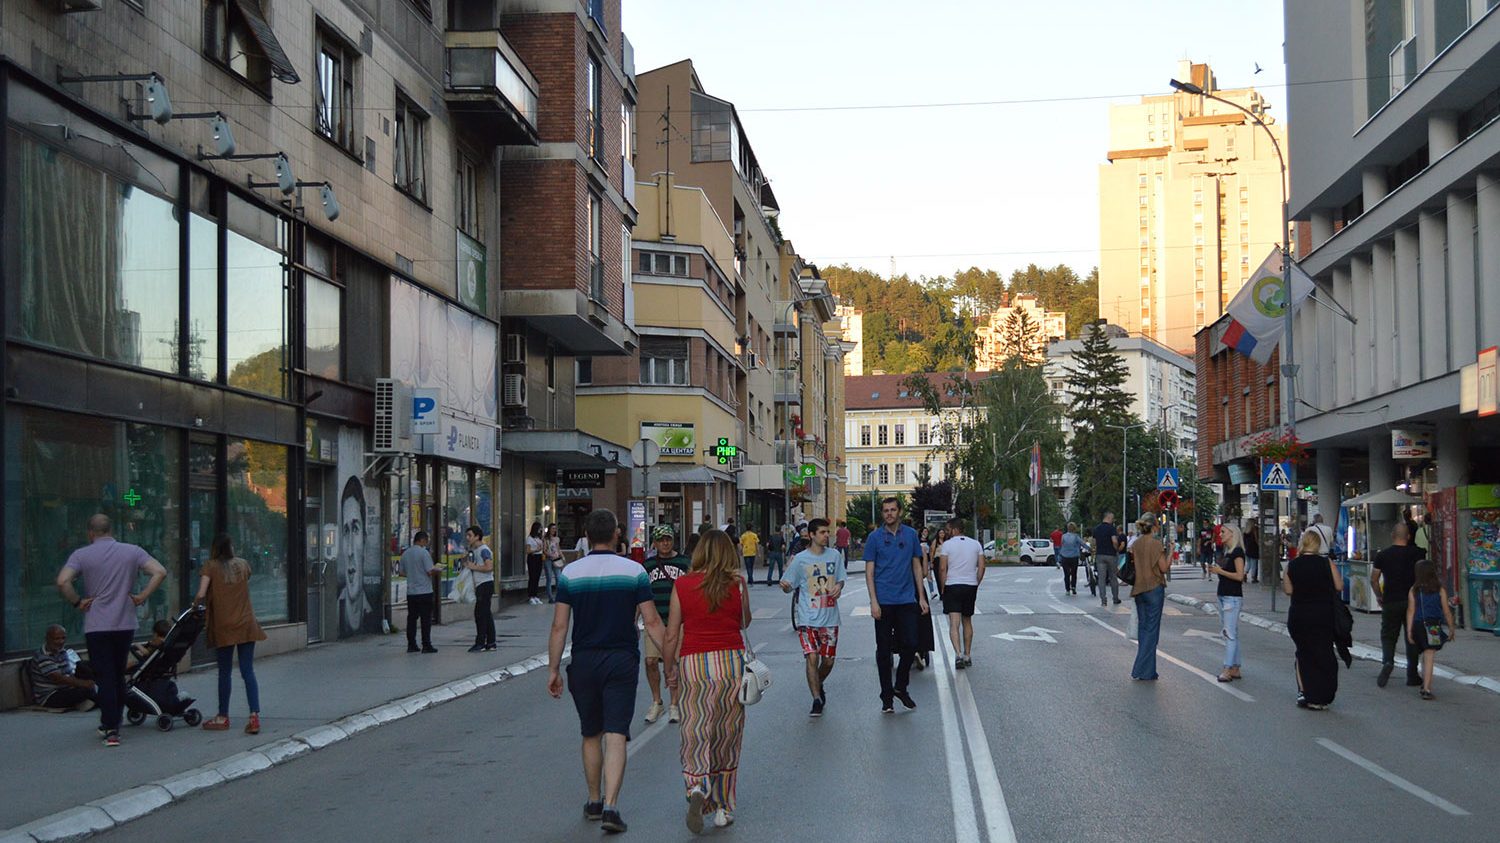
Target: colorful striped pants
{"x": 713, "y": 723}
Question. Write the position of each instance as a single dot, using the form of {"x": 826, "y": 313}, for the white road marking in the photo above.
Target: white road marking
{"x": 787, "y": 628}
{"x": 991, "y": 796}
{"x": 965, "y": 823}
{"x": 861, "y": 612}
{"x": 1017, "y": 610}
{"x": 1039, "y": 634}
{"x": 1424, "y": 795}
{"x": 765, "y": 612}
{"x": 1201, "y": 674}
{"x": 1022, "y": 579}
{"x": 1068, "y": 610}
{"x": 646, "y": 735}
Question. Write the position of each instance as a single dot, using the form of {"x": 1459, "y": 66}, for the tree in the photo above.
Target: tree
{"x": 1021, "y": 338}
{"x": 1060, "y": 288}
{"x": 934, "y": 496}
{"x": 1098, "y": 403}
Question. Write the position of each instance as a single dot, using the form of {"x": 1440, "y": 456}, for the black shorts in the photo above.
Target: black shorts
{"x": 603, "y": 685}
{"x": 959, "y": 600}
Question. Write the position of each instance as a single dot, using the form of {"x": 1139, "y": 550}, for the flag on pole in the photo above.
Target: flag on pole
{"x": 1257, "y": 312}
{"x": 1036, "y": 467}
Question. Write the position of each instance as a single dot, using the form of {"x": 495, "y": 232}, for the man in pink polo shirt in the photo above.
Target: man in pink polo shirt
{"x": 109, "y": 569}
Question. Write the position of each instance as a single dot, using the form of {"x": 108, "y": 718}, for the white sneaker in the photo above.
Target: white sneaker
{"x": 536, "y": 601}
{"x": 672, "y": 715}
{"x": 653, "y": 713}
{"x": 723, "y": 818}
{"x": 695, "y": 810}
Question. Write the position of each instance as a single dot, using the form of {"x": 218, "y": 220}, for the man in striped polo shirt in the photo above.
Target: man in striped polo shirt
{"x": 601, "y": 595}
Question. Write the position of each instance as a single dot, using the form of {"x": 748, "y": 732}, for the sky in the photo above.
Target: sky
{"x": 946, "y": 187}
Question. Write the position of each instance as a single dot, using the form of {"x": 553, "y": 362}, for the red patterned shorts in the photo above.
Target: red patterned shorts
{"x": 819, "y": 640}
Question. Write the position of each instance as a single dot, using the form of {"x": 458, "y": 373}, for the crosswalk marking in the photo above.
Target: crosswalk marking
{"x": 1018, "y": 610}
{"x": 1067, "y": 610}
{"x": 765, "y": 612}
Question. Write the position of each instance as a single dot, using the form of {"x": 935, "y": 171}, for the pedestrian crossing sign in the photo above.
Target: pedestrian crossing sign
{"x": 1275, "y": 476}
{"x": 1167, "y": 479}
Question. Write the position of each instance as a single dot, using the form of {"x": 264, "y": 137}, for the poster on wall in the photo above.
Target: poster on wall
{"x": 358, "y": 554}
{"x": 636, "y": 525}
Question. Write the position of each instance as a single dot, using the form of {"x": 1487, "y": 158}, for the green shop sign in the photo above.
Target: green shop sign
{"x": 472, "y": 292}
{"x": 673, "y": 438}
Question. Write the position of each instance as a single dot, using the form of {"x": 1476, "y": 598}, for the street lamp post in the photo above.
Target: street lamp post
{"x": 1125, "y": 465}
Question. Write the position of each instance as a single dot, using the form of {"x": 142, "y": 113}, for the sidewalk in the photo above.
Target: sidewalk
{"x": 65, "y": 766}
{"x": 1473, "y": 660}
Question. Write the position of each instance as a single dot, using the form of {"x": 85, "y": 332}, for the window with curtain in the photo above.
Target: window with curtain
{"x": 664, "y": 361}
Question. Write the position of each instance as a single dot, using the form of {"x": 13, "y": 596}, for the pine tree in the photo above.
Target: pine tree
{"x": 1021, "y": 338}
{"x": 1097, "y": 400}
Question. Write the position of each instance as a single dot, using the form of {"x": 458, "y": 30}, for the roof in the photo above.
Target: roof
{"x": 885, "y": 392}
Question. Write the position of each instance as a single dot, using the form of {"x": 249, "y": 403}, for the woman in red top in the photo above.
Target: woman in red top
{"x": 710, "y": 608}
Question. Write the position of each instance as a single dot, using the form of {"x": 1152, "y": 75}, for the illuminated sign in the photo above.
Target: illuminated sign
{"x": 808, "y": 471}
{"x": 724, "y": 452}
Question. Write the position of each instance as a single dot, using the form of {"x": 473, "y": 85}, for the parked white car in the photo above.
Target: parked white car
{"x": 1037, "y": 552}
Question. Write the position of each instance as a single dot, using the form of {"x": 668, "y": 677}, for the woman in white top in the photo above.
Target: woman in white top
{"x": 535, "y": 546}
{"x": 552, "y": 560}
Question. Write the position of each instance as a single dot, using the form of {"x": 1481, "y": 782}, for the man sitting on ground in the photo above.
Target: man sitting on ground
{"x": 58, "y": 679}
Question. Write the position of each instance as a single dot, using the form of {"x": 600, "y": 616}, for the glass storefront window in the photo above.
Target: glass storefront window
{"x": 95, "y": 259}
{"x": 66, "y": 468}
{"x": 324, "y": 319}
{"x": 541, "y": 504}
{"x": 256, "y": 303}
{"x": 203, "y": 299}
{"x": 257, "y": 486}
{"x": 458, "y": 510}
{"x": 484, "y": 507}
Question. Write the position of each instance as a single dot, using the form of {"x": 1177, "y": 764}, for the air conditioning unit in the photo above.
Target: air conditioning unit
{"x": 515, "y": 348}
{"x": 513, "y": 391}
{"x": 752, "y": 361}
{"x": 392, "y": 416}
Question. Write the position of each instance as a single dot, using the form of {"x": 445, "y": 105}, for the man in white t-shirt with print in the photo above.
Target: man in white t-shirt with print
{"x": 817, "y": 575}
{"x": 960, "y": 571}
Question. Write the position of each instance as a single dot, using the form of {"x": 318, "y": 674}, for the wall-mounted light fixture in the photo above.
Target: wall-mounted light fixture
{"x": 159, "y": 106}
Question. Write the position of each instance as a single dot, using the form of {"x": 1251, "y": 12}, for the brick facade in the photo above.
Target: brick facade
{"x": 1223, "y": 378}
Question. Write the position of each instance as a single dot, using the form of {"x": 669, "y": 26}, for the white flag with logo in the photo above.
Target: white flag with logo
{"x": 1258, "y": 310}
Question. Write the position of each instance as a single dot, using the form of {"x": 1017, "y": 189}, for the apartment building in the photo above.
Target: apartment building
{"x": 1189, "y": 205}
{"x": 228, "y": 223}
{"x": 680, "y": 386}
{"x": 1393, "y": 177}
{"x": 808, "y": 406}
{"x": 891, "y": 438}
{"x": 989, "y": 337}
{"x": 850, "y": 331}
{"x": 1162, "y": 384}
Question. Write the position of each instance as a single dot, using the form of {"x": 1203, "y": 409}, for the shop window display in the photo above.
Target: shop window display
{"x": 67, "y": 468}
{"x": 257, "y": 521}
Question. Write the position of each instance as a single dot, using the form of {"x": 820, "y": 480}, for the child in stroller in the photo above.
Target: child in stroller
{"x": 151, "y": 687}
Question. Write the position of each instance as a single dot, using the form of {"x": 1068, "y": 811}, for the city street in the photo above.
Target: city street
{"x": 1046, "y": 738}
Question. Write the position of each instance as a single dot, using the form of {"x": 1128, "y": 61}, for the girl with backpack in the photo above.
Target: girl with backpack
{"x": 1429, "y": 622}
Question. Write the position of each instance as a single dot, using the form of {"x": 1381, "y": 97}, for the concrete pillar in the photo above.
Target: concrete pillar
{"x": 1463, "y": 301}
{"x": 1322, "y": 227}
{"x": 1442, "y": 133}
{"x": 1373, "y": 181}
{"x": 1362, "y": 290}
{"x": 1433, "y": 338}
{"x": 1452, "y": 453}
{"x": 1382, "y": 477}
{"x": 1383, "y": 306}
{"x": 1408, "y": 308}
{"x": 1343, "y": 341}
{"x": 1330, "y": 485}
{"x": 1487, "y": 195}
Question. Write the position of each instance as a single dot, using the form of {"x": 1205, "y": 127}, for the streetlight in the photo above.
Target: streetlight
{"x": 1125, "y": 464}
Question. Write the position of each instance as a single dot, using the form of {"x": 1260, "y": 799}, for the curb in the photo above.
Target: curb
{"x": 1363, "y": 652}
{"x": 120, "y": 808}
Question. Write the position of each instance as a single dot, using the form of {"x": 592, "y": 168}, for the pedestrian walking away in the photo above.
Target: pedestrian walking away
{"x": 1231, "y": 599}
{"x": 1107, "y": 550}
{"x": 536, "y": 547}
{"x": 749, "y": 548}
{"x": 841, "y": 539}
{"x": 705, "y": 657}
{"x": 1152, "y": 562}
{"x": 816, "y": 576}
{"x": 1313, "y": 582}
{"x": 775, "y": 556}
{"x": 1252, "y": 552}
{"x": 1069, "y": 548}
{"x": 1393, "y": 574}
{"x": 893, "y": 554}
{"x": 600, "y": 596}
{"x": 481, "y": 560}
{"x": 663, "y": 567}
{"x": 417, "y": 566}
{"x": 224, "y": 589}
{"x": 109, "y": 568}
{"x": 960, "y": 571}
{"x": 1429, "y": 621}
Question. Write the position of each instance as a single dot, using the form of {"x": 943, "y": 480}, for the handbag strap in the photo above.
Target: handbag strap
{"x": 745, "y": 636}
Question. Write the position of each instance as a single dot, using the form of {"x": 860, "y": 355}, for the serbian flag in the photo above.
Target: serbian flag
{"x": 1036, "y": 467}
{"x": 1239, "y": 339}
{"x": 1257, "y": 312}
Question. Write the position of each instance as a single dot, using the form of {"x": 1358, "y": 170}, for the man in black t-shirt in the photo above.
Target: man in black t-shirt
{"x": 1392, "y": 579}
{"x": 1107, "y": 548}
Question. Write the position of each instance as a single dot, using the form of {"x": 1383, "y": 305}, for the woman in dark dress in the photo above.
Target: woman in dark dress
{"x": 1314, "y": 584}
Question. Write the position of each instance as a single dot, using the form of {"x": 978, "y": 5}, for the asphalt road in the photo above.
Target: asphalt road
{"x": 1046, "y": 738}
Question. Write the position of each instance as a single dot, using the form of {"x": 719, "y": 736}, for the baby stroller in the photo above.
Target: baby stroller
{"x": 151, "y": 688}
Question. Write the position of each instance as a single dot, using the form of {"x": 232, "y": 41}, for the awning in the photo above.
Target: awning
{"x": 565, "y": 448}
{"x": 281, "y": 66}
{"x": 686, "y": 473}
{"x": 1388, "y": 496}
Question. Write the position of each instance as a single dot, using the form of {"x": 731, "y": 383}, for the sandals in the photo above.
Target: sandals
{"x": 217, "y": 723}
{"x": 1426, "y": 694}
{"x": 252, "y": 727}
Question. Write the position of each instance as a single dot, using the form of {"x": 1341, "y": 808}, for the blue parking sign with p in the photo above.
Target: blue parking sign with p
{"x": 426, "y": 415}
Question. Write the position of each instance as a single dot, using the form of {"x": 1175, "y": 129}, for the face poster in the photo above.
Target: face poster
{"x": 358, "y": 546}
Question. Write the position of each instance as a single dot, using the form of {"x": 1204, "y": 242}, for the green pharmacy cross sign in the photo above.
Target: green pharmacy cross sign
{"x": 132, "y": 497}
{"x": 724, "y": 452}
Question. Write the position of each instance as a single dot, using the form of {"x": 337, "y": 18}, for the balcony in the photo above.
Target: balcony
{"x": 788, "y": 386}
{"x": 576, "y": 318}
{"x": 787, "y": 318}
{"x": 490, "y": 91}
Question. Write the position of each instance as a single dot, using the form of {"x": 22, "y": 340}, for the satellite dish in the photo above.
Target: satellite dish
{"x": 645, "y": 453}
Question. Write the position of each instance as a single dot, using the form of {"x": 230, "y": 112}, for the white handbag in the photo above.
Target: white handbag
{"x": 757, "y": 677}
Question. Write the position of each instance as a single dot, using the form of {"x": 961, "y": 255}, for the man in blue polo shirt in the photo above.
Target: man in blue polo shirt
{"x": 894, "y": 552}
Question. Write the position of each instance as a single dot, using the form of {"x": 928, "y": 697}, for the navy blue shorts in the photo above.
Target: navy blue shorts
{"x": 603, "y": 685}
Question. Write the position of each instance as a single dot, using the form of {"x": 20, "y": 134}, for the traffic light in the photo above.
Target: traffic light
{"x": 1167, "y": 499}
